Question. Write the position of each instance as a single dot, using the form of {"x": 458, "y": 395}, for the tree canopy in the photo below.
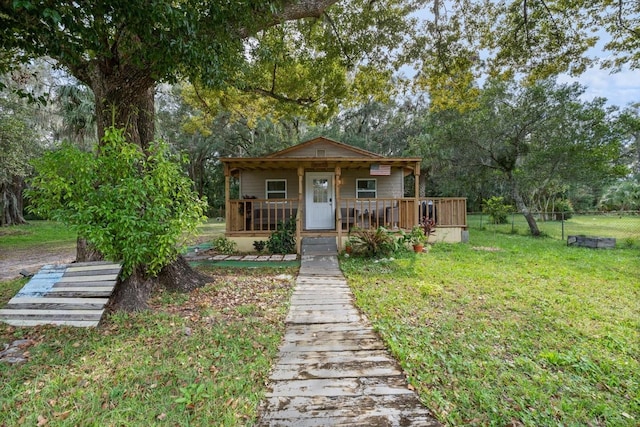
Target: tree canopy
{"x": 532, "y": 140}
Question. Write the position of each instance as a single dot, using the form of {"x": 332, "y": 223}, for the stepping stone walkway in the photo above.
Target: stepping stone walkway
{"x": 289, "y": 257}
{"x": 333, "y": 369}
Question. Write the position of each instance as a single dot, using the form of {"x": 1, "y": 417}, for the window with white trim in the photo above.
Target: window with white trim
{"x": 366, "y": 188}
{"x": 276, "y": 188}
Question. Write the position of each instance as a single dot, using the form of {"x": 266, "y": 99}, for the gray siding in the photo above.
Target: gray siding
{"x": 253, "y": 183}
{"x": 391, "y": 186}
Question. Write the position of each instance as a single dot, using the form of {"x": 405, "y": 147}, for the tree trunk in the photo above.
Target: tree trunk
{"x": 125, "y": 99}
{"x": 522, "y": 206}
{"x": 11, "y": 202}
{"x": 86, "y": 252}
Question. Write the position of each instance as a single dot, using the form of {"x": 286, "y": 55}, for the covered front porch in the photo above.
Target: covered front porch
{"x": 323, "y": 209}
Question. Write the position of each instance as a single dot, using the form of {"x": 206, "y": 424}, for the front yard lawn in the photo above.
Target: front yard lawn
{"x": 511, "y": 330}
{"x": 195, "y": 359}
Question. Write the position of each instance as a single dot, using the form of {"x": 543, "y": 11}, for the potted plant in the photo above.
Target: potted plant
{"x": 348, "y": 246}
{"x": 417, "y": 238}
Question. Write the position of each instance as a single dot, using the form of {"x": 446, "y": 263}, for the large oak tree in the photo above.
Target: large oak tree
{"x": 121, "y": 49}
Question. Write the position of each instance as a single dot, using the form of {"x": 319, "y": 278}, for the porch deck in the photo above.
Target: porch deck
{"x": 256, "y": 217}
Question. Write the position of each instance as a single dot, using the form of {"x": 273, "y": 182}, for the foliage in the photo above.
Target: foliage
{"x": 131, "y": 370}
{"x": 19, "y": 143}
{"x": 259, "y": 245}
{"x": 417, "y": 236}
{"x": 134, "y": 207}
{"x": 223, "y": 245}
{"x": 192, "y": 395}
{"x": 563, "y": 209}
{"x": 526, "y": 140}
{"x": 283, "y": 240}
{"x": 378, "y": 242}
{"x": 497, "y": 209}
{"x": 624, "y": 196}
{"x": 510, "y": 330}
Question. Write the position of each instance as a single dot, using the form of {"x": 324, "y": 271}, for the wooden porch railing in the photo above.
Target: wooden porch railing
{"x": 262, "y": 215}
{"x": 253, "y": 215}
{"x": 401, "y": 213}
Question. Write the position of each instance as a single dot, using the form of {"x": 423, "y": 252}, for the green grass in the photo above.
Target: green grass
{"x": 626, "y": 229}
{"x": 208, "y": 231}
{"x": 46, "y": 235}
{"x": 49, "y": 235}
{"x": 511, "y": 330}
{"x": 196, "y": 359}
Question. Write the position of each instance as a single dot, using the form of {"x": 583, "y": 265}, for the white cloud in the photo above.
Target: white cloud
{"x": 620, "y": 88}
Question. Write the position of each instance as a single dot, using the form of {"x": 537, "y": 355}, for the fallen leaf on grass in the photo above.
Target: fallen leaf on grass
{"x": 62, "y": 415}
{"x": 42, "y": 421}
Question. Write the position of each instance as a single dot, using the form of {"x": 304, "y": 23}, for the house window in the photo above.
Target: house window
{"x": 276, "y": 189}
{"x": 321, "y": 153}
{"x": 366, "y": 188}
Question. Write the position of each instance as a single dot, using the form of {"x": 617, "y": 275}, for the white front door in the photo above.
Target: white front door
{"x": 319, "y": 198}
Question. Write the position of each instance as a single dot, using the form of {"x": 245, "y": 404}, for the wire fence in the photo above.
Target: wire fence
{"x": 623, "y": 226}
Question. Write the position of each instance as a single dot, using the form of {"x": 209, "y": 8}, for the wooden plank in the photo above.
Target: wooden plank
{"x": 95, "y": 277}
{"x": 77, "y": 323}
{"x": 51, "y": 314}
{"x": 80, "y": 292}
{"x": 60, "y": 303}
{"x": 89, "y": 266}
{"x": 75, "y": 273}
{"x": 84, "y": 284}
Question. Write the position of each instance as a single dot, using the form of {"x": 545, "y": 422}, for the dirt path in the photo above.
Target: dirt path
{"x": 11, "y": 263}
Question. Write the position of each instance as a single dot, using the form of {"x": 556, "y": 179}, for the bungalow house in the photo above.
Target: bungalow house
{"x": 328, "y": 188}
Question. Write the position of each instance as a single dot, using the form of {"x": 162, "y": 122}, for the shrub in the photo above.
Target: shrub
{"x": 283, "y": 240}
{"x": 223, "y": 245}
{"x": 134, "y": 207}
{"x": 259, "y": 245}
{"x": 374, "y": 242}
{"x": 497, "y": 209}
{"x": 562, "y": 209}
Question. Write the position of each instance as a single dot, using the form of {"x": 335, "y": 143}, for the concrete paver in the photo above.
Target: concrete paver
{"x": 333, "y": 369}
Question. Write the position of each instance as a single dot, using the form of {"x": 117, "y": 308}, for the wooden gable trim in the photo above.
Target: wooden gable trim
{"x": 323, "y": 139}
{"x": 264, "y": 164}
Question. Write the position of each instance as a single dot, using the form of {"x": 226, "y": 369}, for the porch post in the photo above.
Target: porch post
{"x": 338, "y": 211}
{"x": 227, "y": 191}
{"x": 300, "y": 209}
{"x": 416, "y": 194}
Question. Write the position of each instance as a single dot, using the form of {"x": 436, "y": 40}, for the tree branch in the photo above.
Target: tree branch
{"x": 305, "y": 102}
{"x": 621, "y": 20}
{"x": 335, "y": 31}
{"x": 291, "y": 11}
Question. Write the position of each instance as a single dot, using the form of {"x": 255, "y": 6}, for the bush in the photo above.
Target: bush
{"x": 497, "y": 209}
{"x": 224, "y": 246}
{"x": 375, "y": 242}
{"x": 562, "y": 209}
{"x": 283, "y": 240}
{"x": 133, "y": 206}
{"x": 259, "y": 245}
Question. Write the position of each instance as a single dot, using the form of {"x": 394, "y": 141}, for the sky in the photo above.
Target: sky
{"x": 620, "y": 88}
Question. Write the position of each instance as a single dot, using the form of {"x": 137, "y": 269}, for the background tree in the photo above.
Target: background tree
{"x": 122, "y": 49}
{"x": 529, "y": 140}
{"x": 19, "y": 143}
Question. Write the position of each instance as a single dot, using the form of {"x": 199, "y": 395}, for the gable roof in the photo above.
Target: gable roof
{"x": 322, "y": 141}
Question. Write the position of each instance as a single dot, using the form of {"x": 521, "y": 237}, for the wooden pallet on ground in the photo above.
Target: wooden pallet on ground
{"x": 74, "y": 295}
